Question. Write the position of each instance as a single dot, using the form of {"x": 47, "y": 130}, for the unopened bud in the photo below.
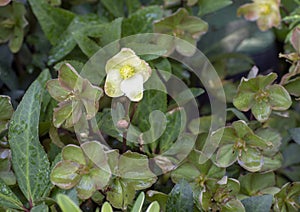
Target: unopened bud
{"x": 122, "y": 124}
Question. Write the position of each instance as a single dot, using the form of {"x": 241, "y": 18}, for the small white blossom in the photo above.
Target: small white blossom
{"x": 126, "y": 74}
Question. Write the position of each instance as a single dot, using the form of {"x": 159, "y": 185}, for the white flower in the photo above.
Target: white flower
{"x": 126, "y": 74}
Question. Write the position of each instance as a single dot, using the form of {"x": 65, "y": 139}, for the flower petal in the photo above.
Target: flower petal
{"x": 85, "y": 187}
{"x": 90, "y": 98}
{"x": 279, "y": 98}
{"x": 61, "y": 113}
{"x": 295, "y": 39}
{"x": 261, "y": 111}
{"x": 68, "y": 77}
{"x": 133, "y": 87}
{"x": 64, "y": 174}
{"x": 251, "y": 160}
{"x": 244, "y": 100}
{"x": 250, "y": 11}
{"x": 144, "y": 69}
{"x": 112, "y": 84}
{"x": 56, "y": 91}
{"x": 73, "y": 153}
{"x": 125, "y": 57}
{"x": 99, "y": 177}
{"x": 226, "y": 155}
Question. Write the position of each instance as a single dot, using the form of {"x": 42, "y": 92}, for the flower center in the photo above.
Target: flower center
{"x": 265, "y": 9}
{"x": 262, "y": 96}
{"x": 83, "y": 170}
{"x": 127, "y": 71}
{"x": 239, "y": 144}
{"x": 178, "y": 32}
{"x": 200, "y": 180}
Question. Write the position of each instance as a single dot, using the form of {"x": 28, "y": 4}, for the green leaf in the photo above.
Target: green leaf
{"x": 137, "y": 207}
{"x": 53, "y": 20}
{"x": 115, "y": 7}
{"x": 288, "y": 197}
{"x": 88, "y": 46}
{"x": 152, "y": 100}
{"x": 29, "y": 159}
{"x": 134, "y": 169}
{"x": 158, "y": 124}
{"x": 141, "y": 21}
{"x": 295, "y": 133}
{"x": 258, "y": 203}
{"x": 253, "y": 183}
{"x": 153, "y": 207}
{"x": 6, "y": 111}
{"x": 186, "y": 171}
{"x": 180, "y": 198}
{"x": 290, "y": 154}
{"x": 188, "y": 95}
{"x": 8, "y": 198}
{"x": 156, "y": 196}
{"x": 40, "y": 208}
{"x": 111, "y": 31}
{"x": 66, "y": 204}
{"x": 121, "y": 194}
{"x": 238, "y": 114}
{"x": 12, "y": 23}
{"x": 132, "y": 6}
{"x": 106, "y": 124}
{"x": 233, "y": 205}
{"x": 176, "y": 122}
{"x": 106, "y": 207}
{"x": 7, "y": 75}
{"x": 200, "y": 125}
{"x": 89, "y": 34}
{"x": 293, "y": 86}
{"x": 272, "y": 163}
{"x": 279, "y": 98}
{"x": 206, "y": 7}
{"x": 163, "y": 65}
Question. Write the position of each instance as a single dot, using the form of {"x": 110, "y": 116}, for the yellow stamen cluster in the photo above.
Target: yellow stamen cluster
{"x": 265, "y": 9}
{"x": 127, "y": 71}
{"x": 262, "y": 96}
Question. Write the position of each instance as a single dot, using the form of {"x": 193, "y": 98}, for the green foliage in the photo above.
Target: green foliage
{"x": 82, "y": 171}
{"x": 8, "y": 198}
{"x": 181, "y": 25}
{"x": 126, "y": 124}
{"x": 258, "y": 203}
{"x": 12, "y": 23}
{"x": 29, "y": 159}
{"x": 206, "y": 7}
{"x": 180, "y": 198}
{"x": 66, "y": 204}
{"x": 261, "y": 97}
{"x": 77, "y": 97}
